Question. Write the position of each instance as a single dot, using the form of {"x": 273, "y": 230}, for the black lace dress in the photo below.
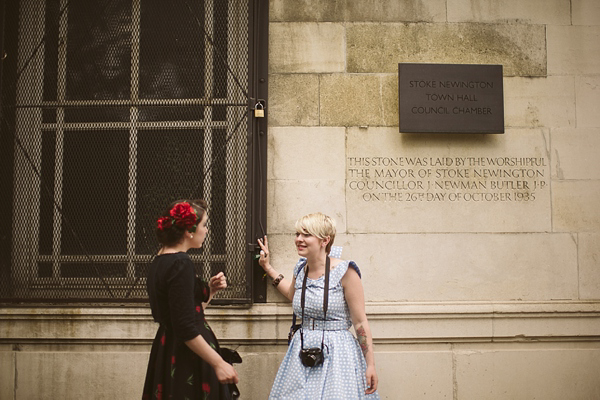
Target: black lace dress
{"x": 176, "y": 296}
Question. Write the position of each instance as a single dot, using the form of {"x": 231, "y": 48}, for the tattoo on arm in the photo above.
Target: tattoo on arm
{"x": 361, "y": 335}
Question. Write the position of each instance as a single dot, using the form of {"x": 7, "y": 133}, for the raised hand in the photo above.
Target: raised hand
{"x": 264, "y": 260}
{"x": 217, "y": 282}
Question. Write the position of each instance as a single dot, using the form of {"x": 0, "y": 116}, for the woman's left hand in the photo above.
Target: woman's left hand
{"x": 372, "y": 380}
{"x": 217, "y": 282}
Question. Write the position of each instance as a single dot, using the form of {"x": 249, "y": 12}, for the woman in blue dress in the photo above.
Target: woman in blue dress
{"x": 347, "y": 368}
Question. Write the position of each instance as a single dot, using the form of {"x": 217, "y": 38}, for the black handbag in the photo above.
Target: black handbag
{"x": 232, "y": 357}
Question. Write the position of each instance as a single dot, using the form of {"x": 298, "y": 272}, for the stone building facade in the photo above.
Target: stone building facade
{"x": 486, "y": 286}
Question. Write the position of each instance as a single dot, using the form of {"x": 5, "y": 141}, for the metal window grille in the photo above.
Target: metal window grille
{"x": 120, "y": 107}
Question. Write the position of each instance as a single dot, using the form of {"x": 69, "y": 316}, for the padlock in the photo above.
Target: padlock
{"x": 259, "y": 110}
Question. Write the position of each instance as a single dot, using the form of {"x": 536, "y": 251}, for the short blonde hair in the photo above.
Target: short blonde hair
{"x": 318, "y": 225}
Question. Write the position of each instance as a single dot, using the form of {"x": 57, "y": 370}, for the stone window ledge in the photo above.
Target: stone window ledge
{"x": 390, "y": 322}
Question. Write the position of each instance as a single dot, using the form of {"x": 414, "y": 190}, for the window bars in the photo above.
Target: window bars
{"x": 121, "y": 106}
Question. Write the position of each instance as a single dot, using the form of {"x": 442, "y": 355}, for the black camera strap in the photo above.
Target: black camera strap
{"x": 325, "y": 300}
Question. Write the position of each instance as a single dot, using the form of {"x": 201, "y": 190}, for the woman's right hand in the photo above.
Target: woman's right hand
{"x": 226, "y": 373}
{"x": 263, "y": 261}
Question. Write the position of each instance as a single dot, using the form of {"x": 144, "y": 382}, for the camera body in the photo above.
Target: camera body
{"x": 311, "y": 357}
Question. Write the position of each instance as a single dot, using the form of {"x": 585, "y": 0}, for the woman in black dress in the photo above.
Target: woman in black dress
{"x": 185, "y": 362}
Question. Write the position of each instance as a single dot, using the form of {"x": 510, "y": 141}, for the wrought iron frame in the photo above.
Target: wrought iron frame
{"x": 256, "y": 141}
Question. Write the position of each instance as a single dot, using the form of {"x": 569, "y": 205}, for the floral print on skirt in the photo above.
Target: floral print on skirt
{"x": 176, "y": 372}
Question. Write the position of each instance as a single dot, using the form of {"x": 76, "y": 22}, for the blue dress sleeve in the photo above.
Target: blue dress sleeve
{"x": 337, "y": 274}
{"x": 353, "y": 265}
{"x": 299, "y": 265}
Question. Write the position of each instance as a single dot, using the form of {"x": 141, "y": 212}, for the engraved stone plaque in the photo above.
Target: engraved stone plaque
{"x": 450, "y": 98}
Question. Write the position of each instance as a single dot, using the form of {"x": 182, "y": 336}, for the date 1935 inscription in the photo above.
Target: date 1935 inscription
{"x": 455, "y": 179}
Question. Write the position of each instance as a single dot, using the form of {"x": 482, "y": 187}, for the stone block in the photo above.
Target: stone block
{"x": 395, "y": 11}
{"x": 357, "y": 10}
{"x": 567, "y": 325}
{"x": 415, "y": 375}
{"x": 589, "y": 266}
{"x": 7, "y": 374}
{"x": 467, "y": 267}
{"x": 72, "y": 323}
{"x": 523, "y": 375}
{"x": 539, "y": 102}
{"x": 575, "y": 153}
{"x": 378, "y": 48}
{"x": 587, "y": 98}
{"x": 74, "y": 376}
{"x": 306, "y": 47}
{"x": 283, "y": 251}
{"x": 447, "y": 183}
{"x": 556, "y": 320}
{"x": 283, "y": 258}
{"x": 288, "y": 200}
{"x": 257, "y": 373}
{"x": 306, "y": 10}
{"x": 307, "y": 153}
{"x": 575, "y": 206}
{"x": 352, "y": 100}
{"x": 573, "y": 50}
{"x": 426, "y": 327}
{"x": 549, "y": 12}
{"x": 482, "y": 321}
{"x": 299, "y": 109}
{"x": 241, "y": 326}
{"x": 585, "y": 12}
{"x": 389, "y": 100}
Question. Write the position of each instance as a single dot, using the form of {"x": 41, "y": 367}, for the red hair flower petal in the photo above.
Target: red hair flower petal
{"x": 184, "y": 215}
{"x": 164, "y": 223}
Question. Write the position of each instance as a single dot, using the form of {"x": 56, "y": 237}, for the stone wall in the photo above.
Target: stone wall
{"x": 481, "y": 258}
{"x": 480, "y": 253}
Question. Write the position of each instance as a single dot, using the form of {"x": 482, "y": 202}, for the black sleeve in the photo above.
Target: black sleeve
{"x": 181, "y": 300}
{"x": 202, "y": 291}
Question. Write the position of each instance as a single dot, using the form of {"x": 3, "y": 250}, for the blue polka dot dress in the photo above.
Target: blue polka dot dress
{"x": 342, "y": 373}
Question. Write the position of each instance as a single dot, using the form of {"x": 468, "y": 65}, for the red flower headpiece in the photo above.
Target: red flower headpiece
{"x": 183, "y": 215}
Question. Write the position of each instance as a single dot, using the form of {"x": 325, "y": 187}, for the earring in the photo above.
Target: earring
{"x": 191, "y": 236}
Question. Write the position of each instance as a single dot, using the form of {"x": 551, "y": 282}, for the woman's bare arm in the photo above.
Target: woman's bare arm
{"x": 355, "y": 298}
{"x": 225, "y": 372}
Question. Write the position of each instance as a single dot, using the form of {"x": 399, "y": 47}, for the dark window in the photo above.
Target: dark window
{"x": 110, "y": 110}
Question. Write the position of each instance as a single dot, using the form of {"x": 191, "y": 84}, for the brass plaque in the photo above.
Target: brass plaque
{"x": 450, "y": 98}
